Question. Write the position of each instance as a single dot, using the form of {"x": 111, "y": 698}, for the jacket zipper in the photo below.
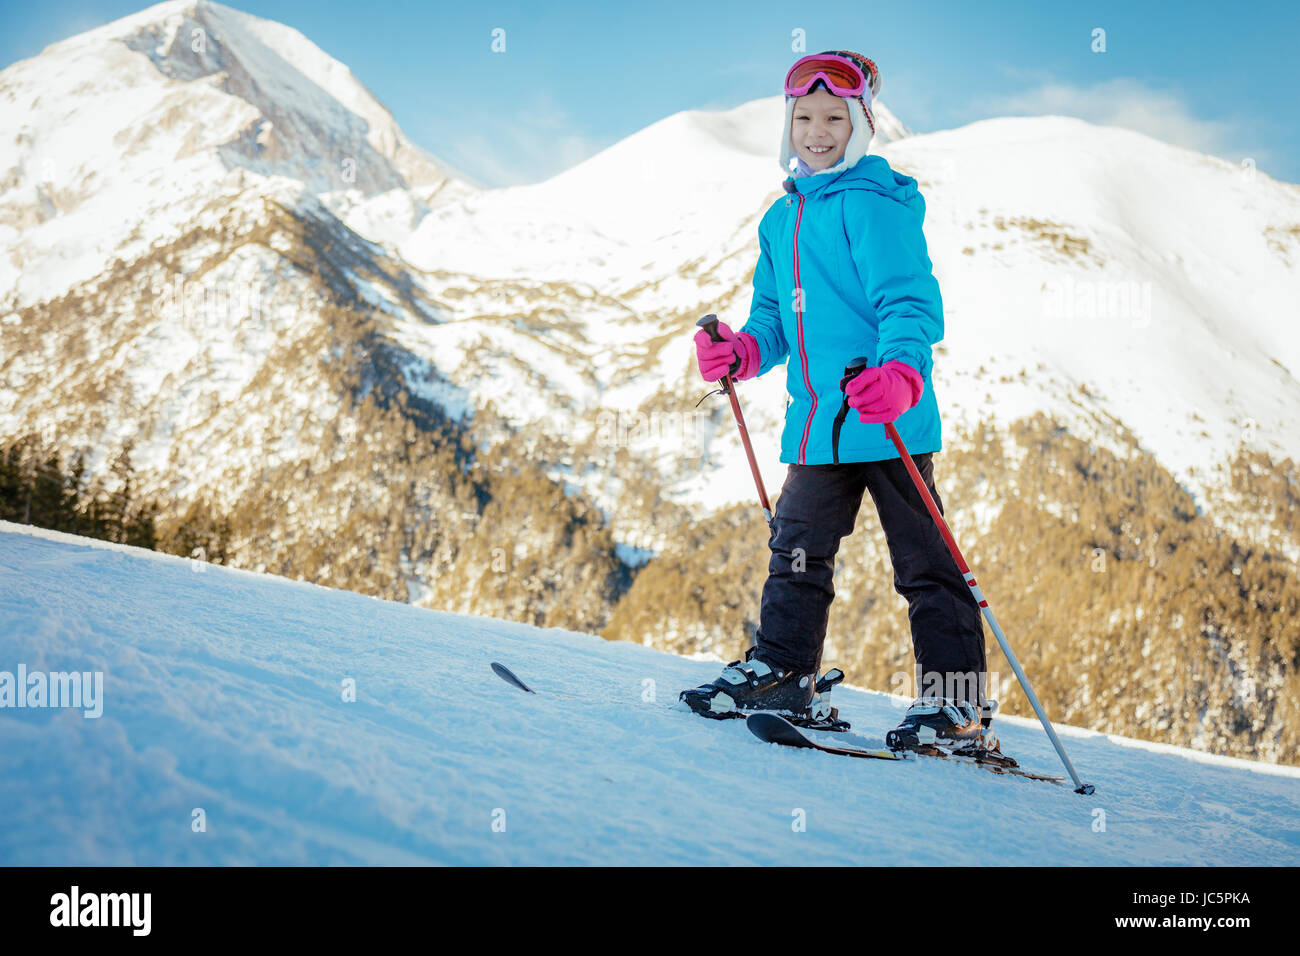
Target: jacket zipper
{"x": 798, "y": 318}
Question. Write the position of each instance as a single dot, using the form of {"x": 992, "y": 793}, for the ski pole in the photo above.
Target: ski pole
{"x": 856, "y": 366}
{"x": 710, "y": 324}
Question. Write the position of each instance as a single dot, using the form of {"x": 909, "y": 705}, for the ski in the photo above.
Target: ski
{"x": 990, "y": 766}
{"x": 507, "y": 675}
{"x": 773, "y": 729}
{"x": 829, "y": 724}
{"x": 511, "y": 678}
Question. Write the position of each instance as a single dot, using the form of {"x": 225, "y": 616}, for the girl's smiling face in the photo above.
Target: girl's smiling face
{"x": 820, "y": 128}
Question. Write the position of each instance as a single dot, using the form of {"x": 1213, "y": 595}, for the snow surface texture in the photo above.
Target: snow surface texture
{"x": 223, "y": 691}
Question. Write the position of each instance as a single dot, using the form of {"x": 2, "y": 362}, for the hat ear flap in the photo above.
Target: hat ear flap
{"x": 871, "y": 120}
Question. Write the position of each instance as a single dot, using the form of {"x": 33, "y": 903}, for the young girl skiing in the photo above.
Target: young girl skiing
{"x": 843, "y": 272}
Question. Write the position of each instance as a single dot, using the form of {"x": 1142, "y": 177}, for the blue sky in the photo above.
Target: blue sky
{"x": 576, "y": 77}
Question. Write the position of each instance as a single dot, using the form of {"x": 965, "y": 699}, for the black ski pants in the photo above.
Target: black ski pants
{"x": 817, "y": 507}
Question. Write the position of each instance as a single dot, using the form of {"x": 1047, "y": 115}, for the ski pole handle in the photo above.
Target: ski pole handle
{"x": 851, "y": 371}
{"x": 710, "y": 324}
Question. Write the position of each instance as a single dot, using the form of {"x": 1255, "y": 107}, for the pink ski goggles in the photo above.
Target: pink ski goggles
{"x": 841, "y": 75}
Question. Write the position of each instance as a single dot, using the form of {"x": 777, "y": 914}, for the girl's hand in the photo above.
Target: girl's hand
{"x": 881, "y": 394}
{"x": 736, "y": 354}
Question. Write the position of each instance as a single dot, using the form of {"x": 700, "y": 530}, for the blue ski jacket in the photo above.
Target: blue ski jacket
{"x": 843, "y": 273}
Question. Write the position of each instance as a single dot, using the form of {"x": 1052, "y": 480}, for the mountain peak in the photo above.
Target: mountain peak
{"x": 128, "y": 130}
{"x": 257, "y": 93}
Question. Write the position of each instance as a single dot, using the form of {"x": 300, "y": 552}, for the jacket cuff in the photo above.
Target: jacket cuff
{"x": 750, "y": 359}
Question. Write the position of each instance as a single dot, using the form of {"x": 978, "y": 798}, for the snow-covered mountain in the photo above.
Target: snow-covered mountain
{"x": 1093, "y": 273}
{"x": 680, "y": 193}
{"x": 245, "y": 719}
{"x": 116, "y": 137}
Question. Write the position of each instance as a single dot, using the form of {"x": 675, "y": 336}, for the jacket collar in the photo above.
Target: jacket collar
{"x": 812, "y": 185}
{"x": 871, "y": 172}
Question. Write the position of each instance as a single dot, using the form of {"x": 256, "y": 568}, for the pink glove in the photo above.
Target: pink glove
{"x": 882, "y": 394}
{"x": 716, "y": 358}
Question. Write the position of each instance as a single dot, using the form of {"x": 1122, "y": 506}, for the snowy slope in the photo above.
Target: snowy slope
{"x": 222, "y": 691}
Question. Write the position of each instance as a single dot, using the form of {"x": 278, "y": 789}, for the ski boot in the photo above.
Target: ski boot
{"x": 942, "y": 725}
{"x": 821, "y": 715}
{"x": 986, "y": 748}
{"x": 750, "y": 685}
